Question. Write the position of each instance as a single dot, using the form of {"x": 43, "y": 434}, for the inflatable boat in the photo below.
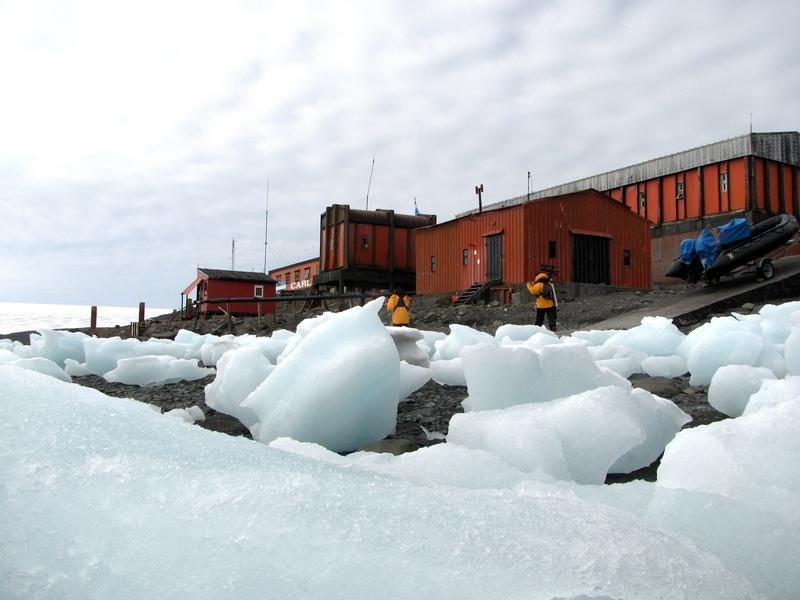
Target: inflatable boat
{"x": 738, "y": 245}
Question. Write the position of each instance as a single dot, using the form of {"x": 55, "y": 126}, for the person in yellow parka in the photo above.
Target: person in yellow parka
{"x": 544, "y": 291}
{"x": 398, "y": 305}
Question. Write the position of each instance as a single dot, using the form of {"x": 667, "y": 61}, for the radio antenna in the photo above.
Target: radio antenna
{"x": 372, "y": 168}
{"x": 266, "y": 225}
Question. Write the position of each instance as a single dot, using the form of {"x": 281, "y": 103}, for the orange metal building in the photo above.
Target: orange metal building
{"x": 586, "y": 236}
{"x": 367, "y": 249}
{"x": 755, "y": 175}
{"x": 297, "y": 277}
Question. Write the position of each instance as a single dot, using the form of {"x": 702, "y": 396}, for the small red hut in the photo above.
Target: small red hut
{"x": 222, "y": 285}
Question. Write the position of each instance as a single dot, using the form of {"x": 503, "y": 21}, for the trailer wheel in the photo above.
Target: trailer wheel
{"x": 765, "y": 268}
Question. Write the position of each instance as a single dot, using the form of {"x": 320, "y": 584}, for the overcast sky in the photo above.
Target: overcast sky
{"x": 137, "y": 138}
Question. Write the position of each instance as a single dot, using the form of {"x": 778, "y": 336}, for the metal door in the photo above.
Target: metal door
{"x": 590, "y": 259}
{"x": 494, "y": 257}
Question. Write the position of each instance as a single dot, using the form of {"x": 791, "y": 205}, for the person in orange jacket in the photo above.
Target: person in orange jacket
{"x": 544, "y": 291}
{"x": 398, "y": 305}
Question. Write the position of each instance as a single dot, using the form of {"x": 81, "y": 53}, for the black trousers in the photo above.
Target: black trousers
{"x": 550, "y": 313}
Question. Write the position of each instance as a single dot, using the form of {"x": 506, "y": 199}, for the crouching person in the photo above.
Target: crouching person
{"x": 399, "y": 304}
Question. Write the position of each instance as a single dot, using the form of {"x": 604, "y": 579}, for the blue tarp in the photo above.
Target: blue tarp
{"x": 733, "y": 231}
{"x": 707, "y": 247}
{"x": 687, "y": 250}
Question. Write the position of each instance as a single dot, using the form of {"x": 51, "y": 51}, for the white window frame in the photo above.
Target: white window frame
{"x": 723, "y": 182}
{"x": 258, "y": 291}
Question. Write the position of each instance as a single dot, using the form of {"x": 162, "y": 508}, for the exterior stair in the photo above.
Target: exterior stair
{"x": 474, "y": 292}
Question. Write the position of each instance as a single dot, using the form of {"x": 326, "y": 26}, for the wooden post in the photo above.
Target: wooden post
{"x": 141, "y": 312}
{"x": 259, "y": 315}
{"x": 93, "y": 318}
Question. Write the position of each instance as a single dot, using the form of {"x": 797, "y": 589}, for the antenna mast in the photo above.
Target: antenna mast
{"x": 529, "y": 186}
{"x": 372, "y": 168}
{"x": 233, "y": 254}
{"x": 266, "y": 225}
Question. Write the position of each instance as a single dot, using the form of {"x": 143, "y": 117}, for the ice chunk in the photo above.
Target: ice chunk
{"x": 58, "y": 345}
{"x": 448, "y": 372}
{"x": 723, "y": 341}
{"x": 752, "y": 458}
{"x": 503, "y": 376}
{"x": 429, "y": 339}
{"x": 520, "y": 333}
{"x": 655, "y": 336}
{"x": 661, "y": 419}
{"x": 89, "y": 488}
{"x": 577, "y": 437}
{"x": 75, "y": 369}
{"x": 664, "y": 366}
{"x": 405, "y": 339}
{"x": 156, "y": 370}
{"x": 791, "y": 352}
{"x": 774, "y": 392}
{"x": 42, "y": 365}
{"x": 103, "y": 354}
{"x": 412, "y": 377}
{"x": 214, "y": 348}
{"x": 460, "y": 337}
{"x": 191, "y": 414}
{"x": 339, "y": 387}
{"x": 732, "y": 385}
{"x": 239, "y": 372}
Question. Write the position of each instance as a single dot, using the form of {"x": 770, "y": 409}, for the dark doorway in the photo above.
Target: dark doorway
{"x": 590, "y": 259}
{"x": 494, "y": 257}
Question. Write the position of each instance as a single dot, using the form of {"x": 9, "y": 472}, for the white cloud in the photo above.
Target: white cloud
{"x": 152, "y": 128}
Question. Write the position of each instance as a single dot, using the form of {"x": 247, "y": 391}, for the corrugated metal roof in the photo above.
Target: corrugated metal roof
{"x": 381, "y": 217}
{"x": 237, "y": 275}
{"x": 778, "y": 146}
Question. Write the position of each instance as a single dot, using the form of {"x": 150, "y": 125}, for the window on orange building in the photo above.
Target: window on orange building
{"x": 465, "y": 257}
{"x": 626, "y": 257}
{"x": 551, "y": 249}
{"x": 433, "y": 264}
{"x": 680, "y": 193}
{"x": 723, "y": 182}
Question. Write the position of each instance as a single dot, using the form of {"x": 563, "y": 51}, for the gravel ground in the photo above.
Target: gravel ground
{"x": 431, "y": 407}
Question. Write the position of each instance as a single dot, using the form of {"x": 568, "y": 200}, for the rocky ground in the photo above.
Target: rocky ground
{"x": 428, "y": 411}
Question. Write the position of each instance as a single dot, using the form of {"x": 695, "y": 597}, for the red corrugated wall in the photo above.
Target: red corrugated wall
{"x": 371, "y": 246}
{"x": 216, "y": 288}
{"x": 588, "y": 213}
{"x": 786, "y": 177}
{"x": 448, "y": 241}
{"x": 527, "y": 232}
{"x": 702, "y": 195}
{"x": 347, "y": 241}
{"x": 737, "y": 186}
